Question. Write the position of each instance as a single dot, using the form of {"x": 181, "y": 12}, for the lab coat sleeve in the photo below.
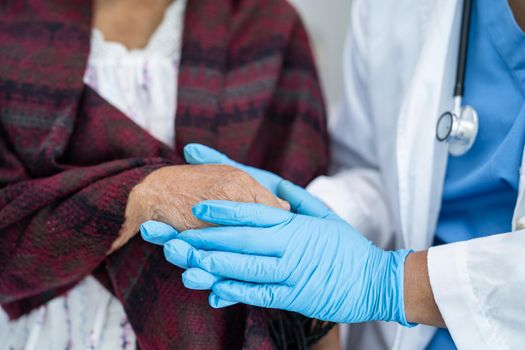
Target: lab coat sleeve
{"x": 354, "y": 188}
{"x": 479, "y": 287}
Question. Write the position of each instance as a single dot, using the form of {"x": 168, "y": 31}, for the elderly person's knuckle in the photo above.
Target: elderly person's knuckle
{"x": 267, "y": 199}
{"x": 241, "y": 176}
{"x": 232, "y": 179}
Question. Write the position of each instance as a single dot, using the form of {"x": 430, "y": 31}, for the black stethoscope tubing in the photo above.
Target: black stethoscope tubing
{"x": 459, "y": 126}
{"x": 459, "y": 86}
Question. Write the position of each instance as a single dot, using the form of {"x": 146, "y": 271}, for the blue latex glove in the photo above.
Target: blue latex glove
{"x": 159, "y": 233}
{"x": 195, "y": 153}
{"x": 313, "y": 263}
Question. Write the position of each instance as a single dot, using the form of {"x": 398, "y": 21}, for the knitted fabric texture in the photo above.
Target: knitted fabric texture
{"x": 247, "y": 86}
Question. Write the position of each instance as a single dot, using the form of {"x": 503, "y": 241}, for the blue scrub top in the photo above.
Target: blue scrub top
{"x": 481, "y": 187}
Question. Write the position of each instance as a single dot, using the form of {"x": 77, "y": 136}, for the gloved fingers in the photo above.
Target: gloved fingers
{"x": 157, "y": 232}
{"x": 195, "y": 153}
{"x": 243, "y": 240}
{"x": 217, "y": 302}
{"x": 177, "y": 252}
{"x": 198, "y": 279}
{"x": 227, "y": 213}
{"x": 303, "y": 202}
{"x": 243, "y": 267}
{"x": 262, "y": 295}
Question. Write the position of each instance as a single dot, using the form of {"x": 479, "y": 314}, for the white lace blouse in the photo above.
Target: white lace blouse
{"x": 143, "y": 85}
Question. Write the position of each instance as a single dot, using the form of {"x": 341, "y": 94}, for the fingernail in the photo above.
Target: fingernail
{"x": 217, "y": 302}
{"x": 157, "y": 232}
{"x": 176, "y": 252}
{"x": 144, "y": 230}
{"x": 189, "y": 152}
{"x": 287, "y": 183}
{"x": 198, "y": 209}
{"x": 155, "y": 229}
{"x": 198, "y": 279}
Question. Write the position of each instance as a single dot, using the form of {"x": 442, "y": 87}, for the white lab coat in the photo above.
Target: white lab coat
{"x": 388, "y": 174}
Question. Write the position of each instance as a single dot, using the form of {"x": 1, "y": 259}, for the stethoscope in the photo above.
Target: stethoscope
{"x": 459, "y": 127}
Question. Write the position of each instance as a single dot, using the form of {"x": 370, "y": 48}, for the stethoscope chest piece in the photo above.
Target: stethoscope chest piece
{"x": 459, "y": 127}
{"x": 459, "y": 130}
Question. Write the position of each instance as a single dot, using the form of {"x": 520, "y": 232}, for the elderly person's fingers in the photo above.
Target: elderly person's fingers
{"x": 195, "y": 153}
{"x": 265, "y": 197}
{"x": 168, "y": 194}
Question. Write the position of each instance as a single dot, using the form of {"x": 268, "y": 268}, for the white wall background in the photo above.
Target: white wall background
{"x": 327, "y": 22}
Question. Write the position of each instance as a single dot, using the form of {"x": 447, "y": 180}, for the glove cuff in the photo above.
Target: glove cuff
{"x": 398, "y": 265}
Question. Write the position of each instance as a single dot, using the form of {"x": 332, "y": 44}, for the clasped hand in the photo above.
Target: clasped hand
{"x": 168, "y": 194}
{"x": 308, "y": 261}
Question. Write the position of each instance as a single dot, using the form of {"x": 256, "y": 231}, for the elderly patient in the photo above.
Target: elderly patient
{"x": 97, "y": 100}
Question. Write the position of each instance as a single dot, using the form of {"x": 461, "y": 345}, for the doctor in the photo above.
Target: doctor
{"x": 448, "y": 247}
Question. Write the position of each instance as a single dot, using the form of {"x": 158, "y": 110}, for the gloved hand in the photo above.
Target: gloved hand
{"x": 157, "y": 232}
{"x": 195, "y": 153}
{"x": 311, "y": 262}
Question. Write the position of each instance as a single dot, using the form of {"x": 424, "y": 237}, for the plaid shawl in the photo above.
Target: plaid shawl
{"x": 68, "y": 159}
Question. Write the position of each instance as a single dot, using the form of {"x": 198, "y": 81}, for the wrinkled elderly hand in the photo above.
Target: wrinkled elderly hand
{"x": 195, "y": 153}
{"x": 168, "y": 194}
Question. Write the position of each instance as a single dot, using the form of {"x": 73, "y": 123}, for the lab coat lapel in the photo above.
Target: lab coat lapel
{"x": 421, "y": 159}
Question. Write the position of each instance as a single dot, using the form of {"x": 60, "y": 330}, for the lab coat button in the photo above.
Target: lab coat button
{"x": 520, "y": 223}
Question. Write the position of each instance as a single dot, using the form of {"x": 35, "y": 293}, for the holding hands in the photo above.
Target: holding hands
{"x": 308, "y": 261}
{"x": 169, "y": 193}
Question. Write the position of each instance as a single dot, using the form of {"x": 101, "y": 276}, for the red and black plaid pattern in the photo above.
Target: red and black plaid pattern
{"x": 247, "y": 86}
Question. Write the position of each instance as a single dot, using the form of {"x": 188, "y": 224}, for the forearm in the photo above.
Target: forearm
{"x": 420, "y": 306}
